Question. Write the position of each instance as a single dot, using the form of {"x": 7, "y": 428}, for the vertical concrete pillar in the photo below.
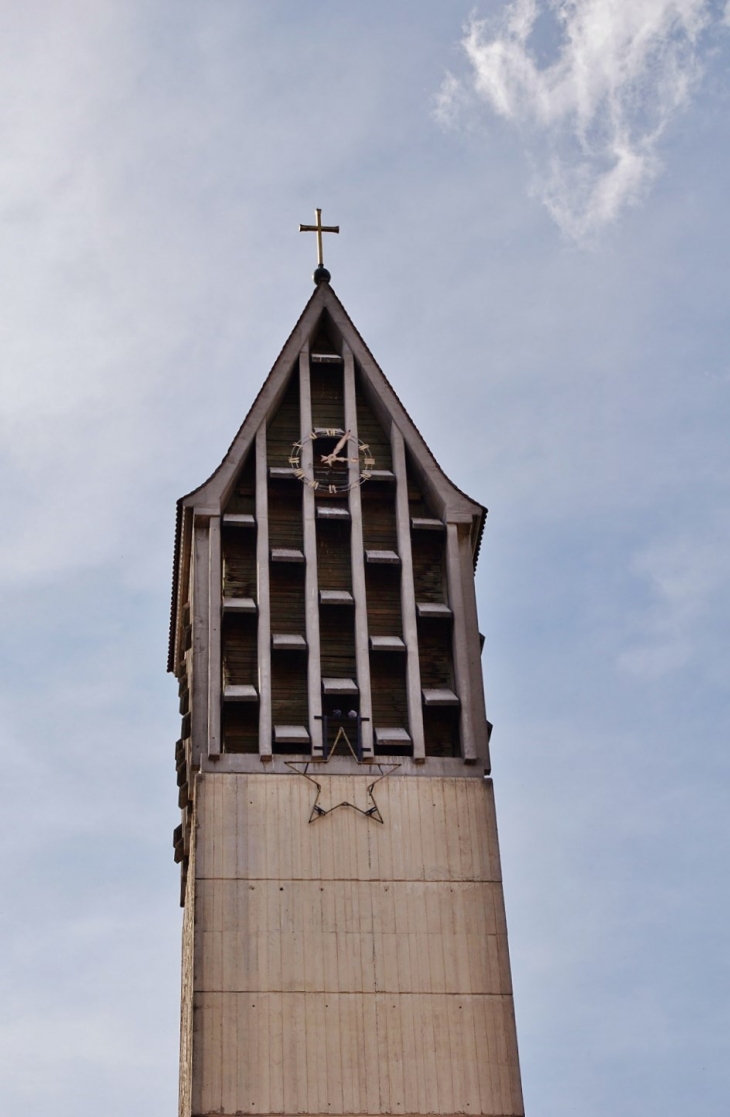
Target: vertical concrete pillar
{"x": 311, "y": 585}
{"x": 262, "y": 595}
{"x": 408, "y": 596}
{"x": 462, "y": 669}
{"x": 214, "y": 640}
{"x": 357, "y": 553}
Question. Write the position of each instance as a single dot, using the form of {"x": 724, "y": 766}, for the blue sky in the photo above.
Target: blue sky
{"x": 535, "y": 246}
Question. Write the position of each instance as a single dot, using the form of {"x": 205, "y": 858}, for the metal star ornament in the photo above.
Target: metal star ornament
{"x": 301, "y": 768}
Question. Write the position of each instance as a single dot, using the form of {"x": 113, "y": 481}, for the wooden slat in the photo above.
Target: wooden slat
{"x": 428, "y": 566}
{"x": 284, "y": 426}
{"x": 243, "y": 498}
{"x": 241, "y": 727}
{"x": 378, "y": 519}
{"x": 285, "y": 516}
{"x": 239, "y": 649}
{"x": 371, "y": 432}
{"x": 328, "y": 407}
{"x": 337, "y": 644}
{"x": 441, "y": 725}
{"x": 289, "y": 705}
{"x": 287, "y": 596}
{"x": 441, "y": 729}
{"x": 239, "y": 563}
{"x": 437, "y": 669}
{"x": 333, "y": 556}
{"x": 388, "y": 681}
{"x": 383, "y": 600}
{"x": 322, "y": 342}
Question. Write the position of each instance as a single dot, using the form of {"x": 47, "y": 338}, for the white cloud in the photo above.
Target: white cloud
{"x": 687, "y": 578}
{"x": 595, "y": 106}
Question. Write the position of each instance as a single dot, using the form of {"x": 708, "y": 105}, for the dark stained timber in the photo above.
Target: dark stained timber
{"x": 334, "y": 569}
{"x": 428, "y": 565}
{"x": 417, "y": 503}
{"x": 378, "y": 519}
{"x": 370, "y": 431}
{"x": 289, "y": 694}
{"x": 239, "y": 563}
{"x": 241, "y": 727}
{"x": 434, "y": 642}
{"x": 283, "y": 430}
{"x": 337, "y": 641}
{"x": 243, "y": 497}
{"x": 240, "y": 650}
{"x": 286, "y": 590}
{"x": 323, "y": 339}
{"x": 285, "y": 514}
{"x": 441, "y": 728}
{"x": 390, "y": 704}
{"x": 435, "y": 635}
{"x": 382, "y": 587}
{"x": 328, "y": 401}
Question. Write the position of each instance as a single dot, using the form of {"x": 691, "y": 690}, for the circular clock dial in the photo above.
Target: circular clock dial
{"x": 339, "y": 460}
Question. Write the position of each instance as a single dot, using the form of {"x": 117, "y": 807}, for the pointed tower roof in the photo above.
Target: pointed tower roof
{"x": 449, "y": 501}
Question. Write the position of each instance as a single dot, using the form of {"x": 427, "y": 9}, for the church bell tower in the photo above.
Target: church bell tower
{"x": 344, "y": 938}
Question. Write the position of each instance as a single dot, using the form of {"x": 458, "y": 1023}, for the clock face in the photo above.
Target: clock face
{"x": 334, "y": 452}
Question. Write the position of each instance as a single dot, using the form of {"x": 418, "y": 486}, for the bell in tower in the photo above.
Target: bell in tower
{"x": 344, "y": 938}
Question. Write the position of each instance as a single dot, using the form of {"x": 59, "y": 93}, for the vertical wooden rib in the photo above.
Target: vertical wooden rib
{"x": 264, "y": 608}
{"x": 311, "y": 587}
{"x": 462, "y": 669}
{"x": 362, "y": 656}
{"x": 214, "y": 640}
{"x": 200, "y": 636}
{"x": 408, "y": 597}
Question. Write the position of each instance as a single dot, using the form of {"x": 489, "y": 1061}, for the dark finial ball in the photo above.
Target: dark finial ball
{"x": 321, "y": 275}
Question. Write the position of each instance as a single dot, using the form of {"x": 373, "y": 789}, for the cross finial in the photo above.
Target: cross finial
{"x": 321, "y": 274}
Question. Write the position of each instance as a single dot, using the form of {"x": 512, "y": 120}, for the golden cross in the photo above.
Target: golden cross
{"x": 319, "y": 228}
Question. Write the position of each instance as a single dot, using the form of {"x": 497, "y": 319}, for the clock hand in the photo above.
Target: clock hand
{"x": 329, "y": 458}
{"x": 341, "y": 443}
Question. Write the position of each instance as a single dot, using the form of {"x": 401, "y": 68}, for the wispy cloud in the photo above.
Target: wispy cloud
{"x": 687, "y": 579}
{"x": 593, "y": 83}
